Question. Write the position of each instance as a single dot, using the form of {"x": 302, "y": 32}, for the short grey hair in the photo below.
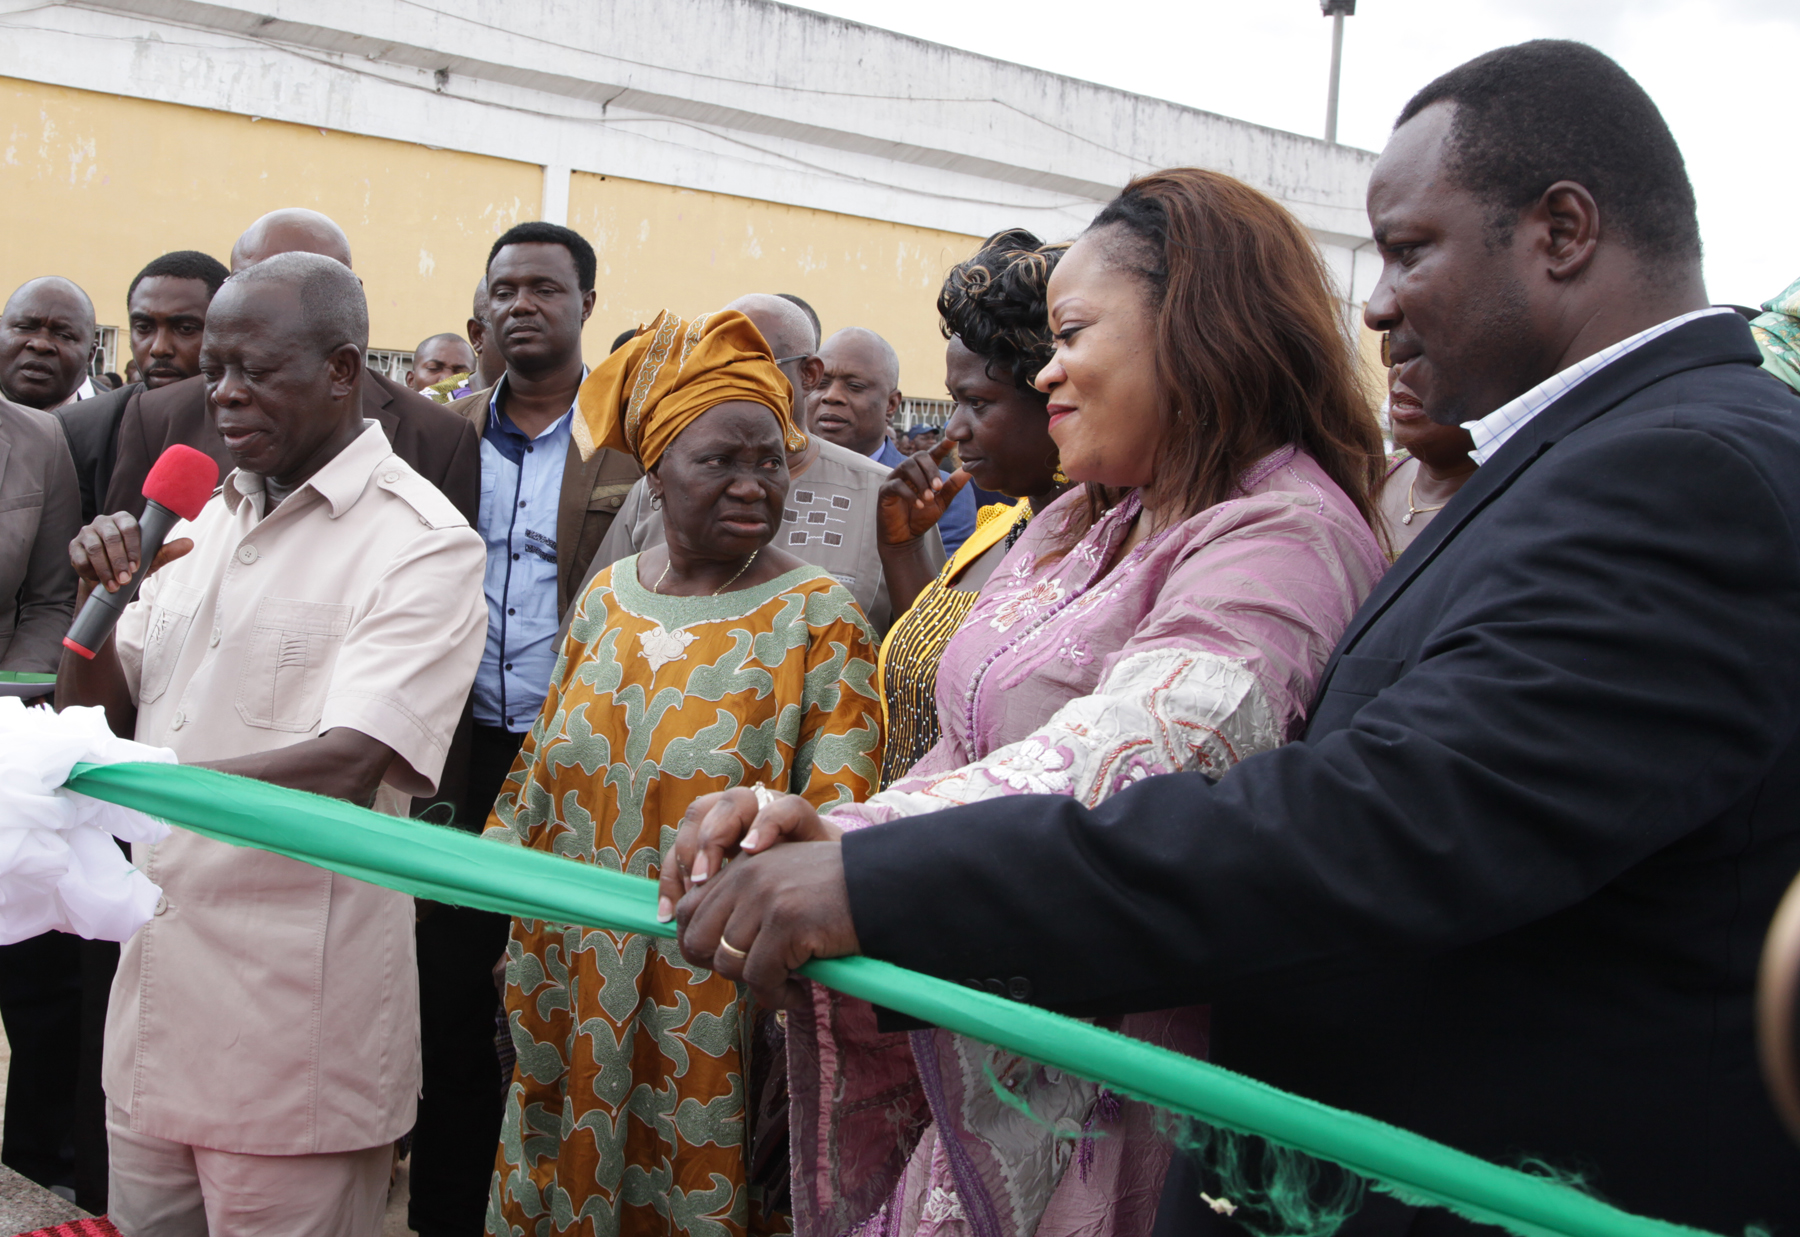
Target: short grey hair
{"x": 331, "y": 296}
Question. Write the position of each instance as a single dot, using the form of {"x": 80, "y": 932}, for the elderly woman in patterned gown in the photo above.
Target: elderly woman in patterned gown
{"x": 1172, "y": 615}
{"x": 714, "y": 661}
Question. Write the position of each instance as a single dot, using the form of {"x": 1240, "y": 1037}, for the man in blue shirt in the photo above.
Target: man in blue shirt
{"x": 543, "y": 514}
{"x": 855, "y": 403}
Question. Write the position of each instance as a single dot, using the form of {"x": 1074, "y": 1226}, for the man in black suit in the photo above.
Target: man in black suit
{"x": 1510, "y": 889}
{"x": 166, "y": 308}
{"x": 440, "y": 446}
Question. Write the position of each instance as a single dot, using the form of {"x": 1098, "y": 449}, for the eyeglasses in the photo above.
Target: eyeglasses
{"x": 800, "y": 356}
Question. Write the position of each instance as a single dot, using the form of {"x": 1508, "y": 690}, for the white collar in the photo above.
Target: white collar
{"x": 1491, "y": 432}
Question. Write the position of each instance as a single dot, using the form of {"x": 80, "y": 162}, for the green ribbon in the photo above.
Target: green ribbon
{"x": 20, "y": 676}
{"x": 447, "y": 865}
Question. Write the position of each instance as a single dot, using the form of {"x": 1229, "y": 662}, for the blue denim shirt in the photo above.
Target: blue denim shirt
{"x": 959, "y": 519}
{"x": 521, "y": 484}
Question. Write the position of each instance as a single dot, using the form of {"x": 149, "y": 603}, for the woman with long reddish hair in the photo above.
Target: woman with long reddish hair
{"x": 1172, "y": 613}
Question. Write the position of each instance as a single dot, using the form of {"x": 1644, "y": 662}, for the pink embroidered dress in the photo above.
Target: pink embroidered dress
{"x": 1074, "y": 674}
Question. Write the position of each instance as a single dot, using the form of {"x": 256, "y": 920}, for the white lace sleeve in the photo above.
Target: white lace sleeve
{"x": 1165, "y": 710}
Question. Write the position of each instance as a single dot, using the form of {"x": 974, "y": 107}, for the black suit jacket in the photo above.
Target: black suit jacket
{"x": 92, "y": 427}
{"x": 439, "y": 445}
{"x": 1510, "y": 889}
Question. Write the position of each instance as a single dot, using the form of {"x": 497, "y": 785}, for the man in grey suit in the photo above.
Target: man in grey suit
{"x": 40, "y": 512}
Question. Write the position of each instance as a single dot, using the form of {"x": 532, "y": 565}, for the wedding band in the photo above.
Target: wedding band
{"x": 764, "y": 796}
{"x": 726, "y": 947}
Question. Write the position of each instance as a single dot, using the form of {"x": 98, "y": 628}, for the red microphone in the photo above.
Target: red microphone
{"x": 177, "y": 488}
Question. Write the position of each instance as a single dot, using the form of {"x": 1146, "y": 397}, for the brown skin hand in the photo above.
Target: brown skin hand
{"x": 782, "y": 909}
{"x": 284, "y": 410}
{"x": 536, "y": 309}
{"x": 908, "y": 505}
{"x": 721, "y": 484}
{"x": 1473, "y": 322}
{"x": 1002, "y": 435}
{"x": 168, "y": 319}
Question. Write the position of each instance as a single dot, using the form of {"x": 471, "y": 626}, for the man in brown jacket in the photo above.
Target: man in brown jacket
{"x": 544, "y": 512}
{"x": 438, "y": 446}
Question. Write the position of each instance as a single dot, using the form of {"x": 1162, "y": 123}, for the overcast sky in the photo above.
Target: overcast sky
{"x": 1723, "y": 72}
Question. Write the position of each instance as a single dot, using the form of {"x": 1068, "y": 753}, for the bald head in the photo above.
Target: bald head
{"x": 46, "y": 339}
{"x": 873, "y": 354}
{"x": 783, "y": 324}
{"x": 859, "y": 391}
{"x": 292, "y": 229}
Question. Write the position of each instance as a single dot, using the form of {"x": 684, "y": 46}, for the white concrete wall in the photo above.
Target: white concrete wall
{"x": 744, "y": 97}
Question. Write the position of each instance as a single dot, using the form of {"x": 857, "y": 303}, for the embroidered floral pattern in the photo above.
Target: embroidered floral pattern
{"x": 659, "y": 646}
{"x": 1034, "y": 600}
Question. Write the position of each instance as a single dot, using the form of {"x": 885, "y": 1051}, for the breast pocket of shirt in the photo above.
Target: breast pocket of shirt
{"x": 170, "y": 620}
{"x": 485, "y": 513}
{"x": 293, "y": 646}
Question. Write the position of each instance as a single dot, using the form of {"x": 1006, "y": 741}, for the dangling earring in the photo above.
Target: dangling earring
{"x": 656, "y": 502}
{"x": 1059, "y": 476}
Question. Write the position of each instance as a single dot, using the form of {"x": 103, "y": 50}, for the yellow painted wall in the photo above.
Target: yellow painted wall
{"x": 667, "y": 248}
{"x": 93, "y": 186}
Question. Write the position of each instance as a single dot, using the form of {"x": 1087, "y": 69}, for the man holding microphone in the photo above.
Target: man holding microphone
{"x": 317, "y": 627}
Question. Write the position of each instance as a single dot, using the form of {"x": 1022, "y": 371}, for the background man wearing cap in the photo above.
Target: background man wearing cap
{"x": 438, "y": 447}
{"x": 318, "y": 629}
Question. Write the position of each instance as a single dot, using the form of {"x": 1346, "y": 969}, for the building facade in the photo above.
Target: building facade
{"x": 707, "y": 148}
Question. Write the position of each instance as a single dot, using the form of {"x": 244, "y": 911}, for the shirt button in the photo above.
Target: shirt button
{"x": 515, "y": 558}
{"x": 521, "y": 502}
{"x": 162, "y": 904}
{"x": 390, "y": 477}
{"x": 511, "y": 611}
{"x": 509, "y": 665}
{"x": 247, "y": 554}
{"x": 213, "y": 639}
{"x": 178, "y": 721}
{"x": 529, "y": 450}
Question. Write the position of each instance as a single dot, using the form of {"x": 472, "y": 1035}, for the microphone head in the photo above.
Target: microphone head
{"x": 182, "y": 479}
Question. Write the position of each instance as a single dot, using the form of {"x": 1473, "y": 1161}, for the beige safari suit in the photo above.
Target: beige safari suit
{"x": 271, "y": 1007}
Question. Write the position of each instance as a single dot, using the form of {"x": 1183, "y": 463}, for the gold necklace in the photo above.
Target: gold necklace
{"x": 657, "y": 587}
{"x": 1411, "y": 510}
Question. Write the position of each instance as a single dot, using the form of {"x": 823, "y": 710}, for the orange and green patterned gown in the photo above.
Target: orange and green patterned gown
{"x": 626, "y": 1114}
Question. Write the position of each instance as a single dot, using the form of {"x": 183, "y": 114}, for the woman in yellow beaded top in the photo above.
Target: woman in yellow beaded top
{"x": 993, "y": 313}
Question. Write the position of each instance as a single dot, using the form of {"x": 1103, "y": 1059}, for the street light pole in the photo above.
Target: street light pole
{"x": 1337, "y": 10}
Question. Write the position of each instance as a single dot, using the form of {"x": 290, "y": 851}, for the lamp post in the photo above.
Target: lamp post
{"x": 1337, "y": 10}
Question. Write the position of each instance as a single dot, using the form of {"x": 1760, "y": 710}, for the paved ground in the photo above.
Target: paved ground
{"x": 23, "y": 1206}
